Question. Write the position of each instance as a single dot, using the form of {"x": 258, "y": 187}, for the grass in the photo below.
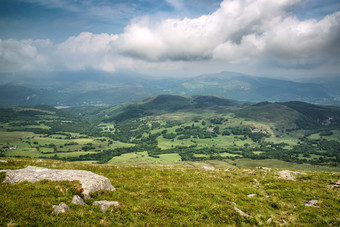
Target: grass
{"x": 274, "y": 163}
{"x": 173, "y": 196}
{"x": 220, "y": 141}
{"x": 142, "y": 158}
{"x": 13, "y": 137}
{"x": 225, "y": 154}
{"x": 35, "y": 145}
{"x": 170, "y": 157}
{"x": 334, "y": 136}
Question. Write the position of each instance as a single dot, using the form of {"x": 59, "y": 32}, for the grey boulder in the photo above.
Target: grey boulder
{"x": 77, "y": 200}
{"x": 61, "y": 208}
{"x": 91, "y": 182}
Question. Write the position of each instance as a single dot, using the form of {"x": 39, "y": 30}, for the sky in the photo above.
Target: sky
{"x": 172, "y": 38}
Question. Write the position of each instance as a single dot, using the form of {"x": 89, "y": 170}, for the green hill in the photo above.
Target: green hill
{"x": 292, "y": 115}
{"x": 279, "y": 115}
{"x": 315, "y": 116}
{"x": 168, "y": 104}
{"x": 174, "y": 196}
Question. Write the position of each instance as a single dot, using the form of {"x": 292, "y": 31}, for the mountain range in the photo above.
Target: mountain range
{"x": 99, "y": 88}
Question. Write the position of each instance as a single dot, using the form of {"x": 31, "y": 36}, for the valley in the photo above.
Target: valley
{"x": 176, "y": 130}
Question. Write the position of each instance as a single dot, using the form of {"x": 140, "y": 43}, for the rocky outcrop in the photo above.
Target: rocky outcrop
{"x": 90, "y": 181}
{"x": 104, "y": 204}
{"x": 289, "y": 175}
{"x": 61, "y": 208}
{"x": 77, "y": 200}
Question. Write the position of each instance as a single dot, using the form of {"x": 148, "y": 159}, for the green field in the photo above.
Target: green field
{"x": 33, "y": 145}
{"x": 334, "y": 136}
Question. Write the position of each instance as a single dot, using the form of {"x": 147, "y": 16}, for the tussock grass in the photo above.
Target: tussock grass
{"x": 173, "y": 196}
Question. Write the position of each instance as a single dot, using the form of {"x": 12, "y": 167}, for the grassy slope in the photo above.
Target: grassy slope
{"x": 274, "y": 113}
{"x": 173, "y": 196}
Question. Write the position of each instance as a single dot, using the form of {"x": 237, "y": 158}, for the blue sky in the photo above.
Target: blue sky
{"x": 281, "y": 38}
{"x": 59, "y": 19}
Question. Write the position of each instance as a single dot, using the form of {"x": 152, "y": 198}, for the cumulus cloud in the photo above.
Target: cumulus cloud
{"x": 24, "y": 55}
{"x": 239, "y": 31}
{"x": 88, "y": 50}
{"x": 80, "y": 52}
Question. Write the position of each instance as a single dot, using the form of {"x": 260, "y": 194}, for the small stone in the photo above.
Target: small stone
{"x": 77, "y": 200}
{"x": 11, "y": 224}
{"x": 251, "y": 195}
{"x": 104, "y": 204}
{"x": 283, "y": 221}
{"x": 208, "y": 168}
{"x": 270, "y": 220}
{"x": 260, "y": 167}
{"x": 241, "y": 212}
{"x": 312, "y": 203}
{"x": 3, "y": 161}
{"x": 61, "y": 208}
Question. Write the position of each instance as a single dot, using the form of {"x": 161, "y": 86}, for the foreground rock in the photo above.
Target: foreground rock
{"x": 77, "y": 200}
{"x": 61, "y": 208}
{"x": 3, "y": 161}
{"x": 104, "y": 204}
{"x": 91, "y": 182}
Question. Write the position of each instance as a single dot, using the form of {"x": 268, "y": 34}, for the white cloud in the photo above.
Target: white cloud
{"x": 249, "y": 32}
{"x": 88, "y": 50}
{"x": 240, "y": 30}
{"x": 24, "y": 55}
{"x": 84, "y": 51}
